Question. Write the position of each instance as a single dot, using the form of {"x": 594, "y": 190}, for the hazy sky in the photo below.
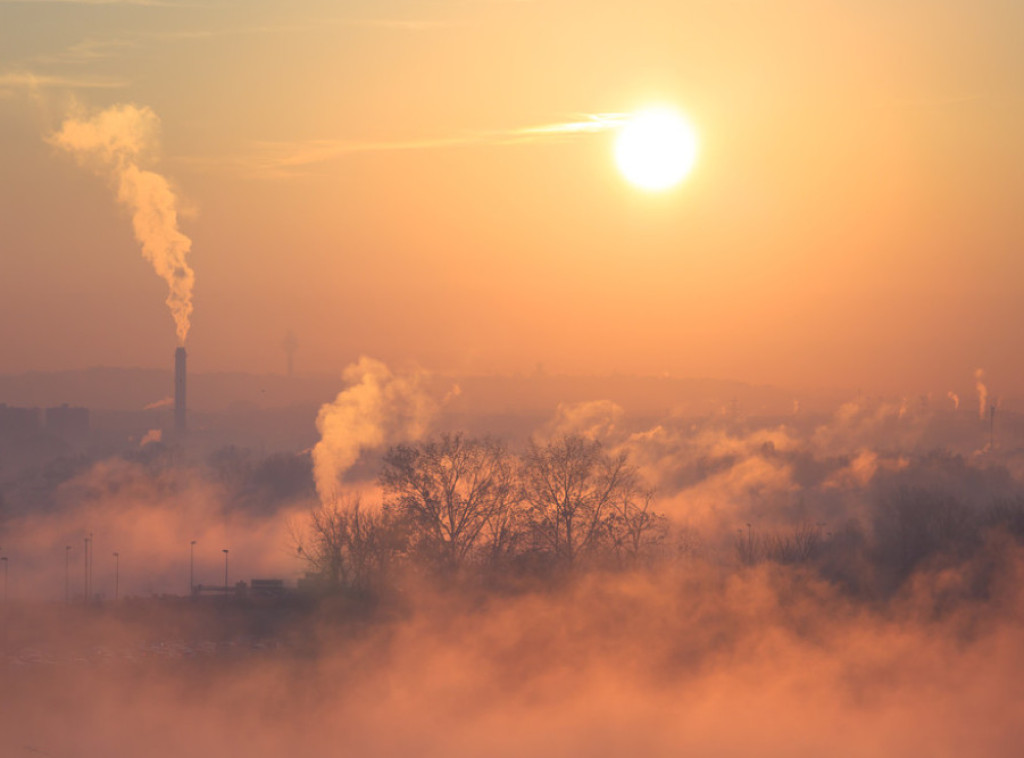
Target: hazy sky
{"x": 359, "y": 172}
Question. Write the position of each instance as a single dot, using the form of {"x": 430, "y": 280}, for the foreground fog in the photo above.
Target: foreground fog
{"x": 844, "y": 584}
{"x": 691, "y": 660}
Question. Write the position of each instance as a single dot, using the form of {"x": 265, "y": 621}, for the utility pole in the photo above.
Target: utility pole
{"x": 117, "y": 574}
{"x": 67, "y": 574}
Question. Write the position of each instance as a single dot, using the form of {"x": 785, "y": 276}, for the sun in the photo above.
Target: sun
{"x": 656, "y": 149}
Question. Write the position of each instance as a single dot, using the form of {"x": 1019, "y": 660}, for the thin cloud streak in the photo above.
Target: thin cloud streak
{"x": 92, "y": 49}
{"x": 313, "y": 24}
{"x": 410, "y": 24}
{"x": 152, "y": 3}
{"x": 283, "y": 158}
{"x": 86, "y": 51}
{"x": 32, "y": 81}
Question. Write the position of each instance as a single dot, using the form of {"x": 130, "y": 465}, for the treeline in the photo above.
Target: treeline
{"x": 454, "y": 504}
{"x": 902, "y": 534}
{"x": 467, "y": 507}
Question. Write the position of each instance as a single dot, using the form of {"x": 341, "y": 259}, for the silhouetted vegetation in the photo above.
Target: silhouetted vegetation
{"x": 460, "y": 498}
{"x": 457, "y": 505}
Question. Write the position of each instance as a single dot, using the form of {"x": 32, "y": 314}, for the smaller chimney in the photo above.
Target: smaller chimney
{"x": 179, "y": 390}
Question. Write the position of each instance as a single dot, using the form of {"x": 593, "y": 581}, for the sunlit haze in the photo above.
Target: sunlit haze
{"x": 511, "y": 378}
{"x": 373, "y": 178}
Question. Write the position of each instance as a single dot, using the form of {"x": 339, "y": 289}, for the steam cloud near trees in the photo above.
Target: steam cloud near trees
{"x": 604, "y": 584}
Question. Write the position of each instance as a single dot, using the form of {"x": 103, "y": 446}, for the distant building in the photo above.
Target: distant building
{"x": 67, "y": 421}
{"x": 18, "y": 422}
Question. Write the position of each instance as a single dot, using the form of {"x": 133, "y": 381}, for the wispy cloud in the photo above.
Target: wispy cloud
{"x": 406, "y": 24}
{"x": 597, "y": 122}
{"x": 159, "y": 3}
{"x": 93, "y": 49}
{"x": 308, "y": 25}
{"x": 86, "y": 51}
{"x": 28, "y": 80}
{"x": 289, "y": 158}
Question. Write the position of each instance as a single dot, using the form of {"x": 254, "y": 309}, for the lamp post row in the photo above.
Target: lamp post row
{"x": 87, "y": 570}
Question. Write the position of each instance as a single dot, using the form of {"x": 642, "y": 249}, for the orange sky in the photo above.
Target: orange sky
{"x": 347, "y": 172}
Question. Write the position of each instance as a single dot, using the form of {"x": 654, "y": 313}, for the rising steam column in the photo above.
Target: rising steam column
{"x": 179, "y": 390}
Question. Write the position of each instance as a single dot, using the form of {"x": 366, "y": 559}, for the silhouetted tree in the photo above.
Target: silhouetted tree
{"x": 580, "y": 496}
{"x": 635, "y": 529}
{"x": 349, "y": 546}
{"x": 458, "y": 494}
{"x": 801, "y": 544}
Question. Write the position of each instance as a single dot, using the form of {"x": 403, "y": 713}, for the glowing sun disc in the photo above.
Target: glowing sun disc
{"x": 656, "y": 149}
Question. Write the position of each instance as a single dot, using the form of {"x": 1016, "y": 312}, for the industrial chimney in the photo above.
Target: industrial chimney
{"x": 179, "y": 390}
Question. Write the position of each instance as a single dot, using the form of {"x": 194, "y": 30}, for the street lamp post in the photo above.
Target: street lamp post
{"x": 117, "y": 574}
{"x": 225, "y": 551}
{"x": 192, "y": 567}
{"x": 3, "y": 642}
{"x": 85, "y": 570}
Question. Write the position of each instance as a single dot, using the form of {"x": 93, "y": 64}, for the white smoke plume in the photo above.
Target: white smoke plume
{"x": 114, "y": 142}
{"x": 979, "y": 375}
{"x": 378, "y": 408}
{"x": 955, "y": 398}
{"x": 596, "y": 419}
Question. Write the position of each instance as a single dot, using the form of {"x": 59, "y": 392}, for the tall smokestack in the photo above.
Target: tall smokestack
{"x": 179, "y": 390}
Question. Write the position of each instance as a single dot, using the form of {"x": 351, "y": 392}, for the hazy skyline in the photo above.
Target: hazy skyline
{"x": 384, "y": 179}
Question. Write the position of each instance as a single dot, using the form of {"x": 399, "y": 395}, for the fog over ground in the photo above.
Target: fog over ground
{"x": 833, "y": 584}
{"x": 764, "y": 662}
